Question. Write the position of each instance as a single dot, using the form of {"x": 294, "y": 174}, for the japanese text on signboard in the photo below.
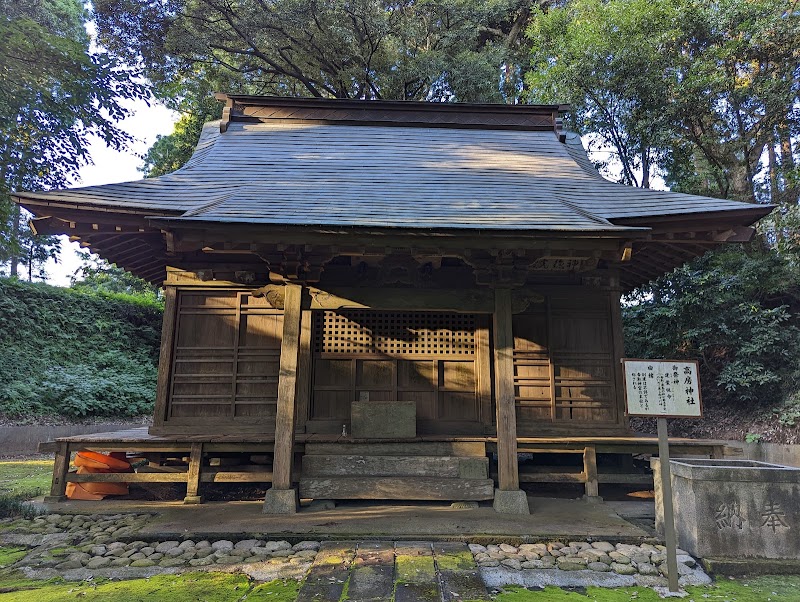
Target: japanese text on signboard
{"x": 662, "y": 388}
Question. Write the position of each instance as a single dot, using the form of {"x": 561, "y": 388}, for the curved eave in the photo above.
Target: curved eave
{"x": 677, "y": 239}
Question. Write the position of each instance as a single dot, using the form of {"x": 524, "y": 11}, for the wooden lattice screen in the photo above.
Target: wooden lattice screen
{"x": 432, "y": 358}
{"x": 394, "y": 334}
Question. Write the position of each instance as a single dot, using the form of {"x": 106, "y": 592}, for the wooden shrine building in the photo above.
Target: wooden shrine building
{"x": 377, "y": 290}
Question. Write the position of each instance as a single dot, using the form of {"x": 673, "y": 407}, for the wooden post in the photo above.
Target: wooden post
{"x": 590, "y": 470}
{"x": 193, "y": 477}
{"x": 508, "y": 497}
{"x": 166, "y": 355}
{"x": 304, "y": 372}
{"x": 618, "y": 349}
{"x": 666, "y": 495}
{"x": 58, "y": 486}
{"x": 282, "y": 498}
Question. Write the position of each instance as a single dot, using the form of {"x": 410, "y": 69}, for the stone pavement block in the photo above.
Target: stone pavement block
{"x": 458, "y": 573}
{"x": 372, "y": 575}
{"x": 415, "y": 573}
{"x": 329, "y": 572}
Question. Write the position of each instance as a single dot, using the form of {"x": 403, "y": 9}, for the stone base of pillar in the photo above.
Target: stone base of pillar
{"x": 511, "y": 502}
{"x": 593, "y": 499}
{"x": 281, "y": 501}
{"x": 193, "y": 499}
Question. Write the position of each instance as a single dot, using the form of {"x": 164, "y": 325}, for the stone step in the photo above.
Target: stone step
{"x": 395, "y": 466}
{"x": 415, "y": 573}
{"x": 329, "y": 572}
{"x": 459, "y": 576}
{"x": 473, "y": 449}
{"x": 401, "y": 571}
{"x": 396, "y": 488}
{"x": 372, "y": 576}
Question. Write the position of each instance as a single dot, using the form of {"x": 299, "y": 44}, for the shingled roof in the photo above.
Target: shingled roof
{"x": 407, "y": 167}
{"x": 427, "y": 175}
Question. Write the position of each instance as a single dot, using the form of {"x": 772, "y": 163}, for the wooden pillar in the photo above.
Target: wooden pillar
{"x": 304, "y": 372}
{"x": 509, "y": 498}
{"x": 282, "y": 498}
{"x": 618, "y": 344}
{"x": 58, "y": 486}
{"x": 166, "y": 355}
{"x": 193, "y": 477}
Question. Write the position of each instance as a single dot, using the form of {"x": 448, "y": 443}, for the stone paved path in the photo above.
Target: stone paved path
{"x": 403, "y": 571}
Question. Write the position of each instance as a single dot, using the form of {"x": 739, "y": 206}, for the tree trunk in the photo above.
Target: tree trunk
{"x": 646, "y": 168}
{"x": 15, "y": 217}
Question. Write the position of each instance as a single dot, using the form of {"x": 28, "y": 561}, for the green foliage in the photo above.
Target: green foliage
{"x": 788, "y": 413}
{"x": 96, "y": 274}
{"x": 168, "y": 153}
{"x": 701, "y": 90}
{"x": 421, "y": 50}
{"x": 736, "y": 311}
{"x": 607, "y": 60}
{"x": 753, "y": 438}
{"x": 54, "y": 96}
{"x": 76, "y": 352}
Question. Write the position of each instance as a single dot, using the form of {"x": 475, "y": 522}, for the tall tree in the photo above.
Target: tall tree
{"x": 54, "y": 96}
{"x": 703, "y": 90}
{"x": 371, "y": 49}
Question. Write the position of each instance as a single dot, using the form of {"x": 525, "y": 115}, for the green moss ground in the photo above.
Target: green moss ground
{"x": 191, "y": 587}
{"x": 757, "y": 589}
{"x": 223, "y": 587}
{"x": 21, "y": 477}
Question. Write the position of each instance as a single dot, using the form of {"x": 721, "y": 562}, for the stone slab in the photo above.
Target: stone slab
{"x": 750, "y": 566}
{"x": 396, "y": 488}
{"x": 558, "y": 518}
{"x": 329, "y": 572}
{"x": 415, "y": 573}
{"x": 372, "y": 574}
{"x": 383, "y": 419}
{"x": 458, "y": 573}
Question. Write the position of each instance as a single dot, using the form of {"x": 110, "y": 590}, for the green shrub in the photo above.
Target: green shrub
{"x": 735, "y": 311}
{"x": 76, "y": 353}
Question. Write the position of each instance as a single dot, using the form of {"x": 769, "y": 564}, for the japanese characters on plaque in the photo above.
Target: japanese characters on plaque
{"x": 662, "y": 388}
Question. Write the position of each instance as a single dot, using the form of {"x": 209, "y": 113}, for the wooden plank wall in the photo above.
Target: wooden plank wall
{"x": 226, "y": 352}
{"x": 565, "y": 365}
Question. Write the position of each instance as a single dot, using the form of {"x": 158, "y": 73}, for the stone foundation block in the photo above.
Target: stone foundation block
{"x": 281, "y": 501}
{"x": 511, "y": 502}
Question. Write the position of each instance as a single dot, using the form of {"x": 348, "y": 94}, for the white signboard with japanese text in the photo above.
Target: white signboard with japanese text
{"x": 665, "y": 388}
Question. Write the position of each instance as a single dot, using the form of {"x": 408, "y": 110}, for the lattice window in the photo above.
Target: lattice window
{"x": 394, "y": 333}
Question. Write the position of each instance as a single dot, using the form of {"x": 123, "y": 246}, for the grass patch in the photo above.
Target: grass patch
{"x": 20, "y": 477}
{"x": 275, "y": 591}
{"x": 9, "y": 556}
{"x": 758, "y": 589}
{"x": 22, "y": 480}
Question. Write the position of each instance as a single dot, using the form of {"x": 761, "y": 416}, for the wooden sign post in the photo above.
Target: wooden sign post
{"x": 663, "y": 389}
